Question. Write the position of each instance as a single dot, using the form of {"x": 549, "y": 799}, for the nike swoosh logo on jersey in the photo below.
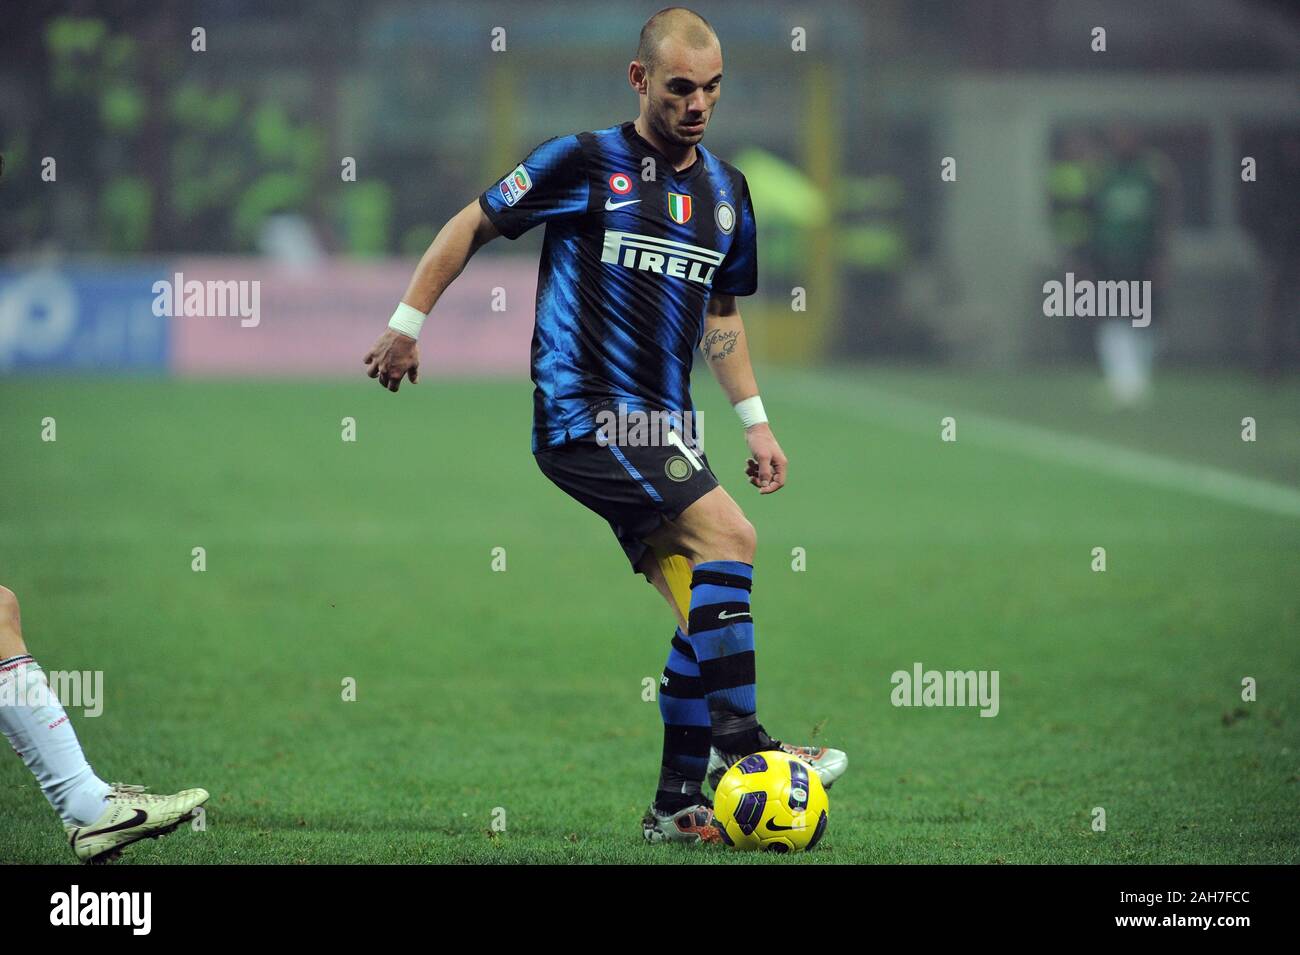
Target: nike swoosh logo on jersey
{"x": 723, "y": 615}
{"x": 611, "y": 205}
{"x": 139, "y": 817}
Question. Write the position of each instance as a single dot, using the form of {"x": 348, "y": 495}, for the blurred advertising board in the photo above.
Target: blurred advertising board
{"x": 225, "y": 316}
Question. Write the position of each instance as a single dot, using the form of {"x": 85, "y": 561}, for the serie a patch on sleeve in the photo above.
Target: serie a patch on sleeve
{"x": 515, "y": 185}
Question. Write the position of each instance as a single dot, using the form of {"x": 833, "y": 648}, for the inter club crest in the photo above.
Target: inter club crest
{"x": 679, "y": 207}
{"x": 725, "y": 216}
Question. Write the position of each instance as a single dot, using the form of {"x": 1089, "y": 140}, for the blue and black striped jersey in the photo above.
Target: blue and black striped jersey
{"x": 628, "y": 264}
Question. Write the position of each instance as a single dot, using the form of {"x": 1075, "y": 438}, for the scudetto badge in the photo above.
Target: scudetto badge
{"x": 725, "y": 216}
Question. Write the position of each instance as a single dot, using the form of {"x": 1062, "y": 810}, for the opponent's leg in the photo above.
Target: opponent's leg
{"x": 99, "y": 819}
{"x": 34, "y": 721}
{"x": 11, "y": 627}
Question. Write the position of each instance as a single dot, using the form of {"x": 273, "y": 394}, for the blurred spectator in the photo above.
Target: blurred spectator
{"x": 1132, "y": 213}
{"x": 1072, "y": 185}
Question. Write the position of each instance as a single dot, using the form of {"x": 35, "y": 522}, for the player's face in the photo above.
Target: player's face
{"x": 683, "y": 90}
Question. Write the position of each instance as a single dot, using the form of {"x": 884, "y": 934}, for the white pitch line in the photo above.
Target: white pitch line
{"x": 866, "y": 401}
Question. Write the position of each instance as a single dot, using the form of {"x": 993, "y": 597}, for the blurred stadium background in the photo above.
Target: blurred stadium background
{"x": 924, "y": 299}
{"x": 166, "y": 155}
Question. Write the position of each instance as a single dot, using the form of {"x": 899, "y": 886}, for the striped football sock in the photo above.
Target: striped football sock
{"x": 686, "y": 729}
{"x": 722, "y": 634}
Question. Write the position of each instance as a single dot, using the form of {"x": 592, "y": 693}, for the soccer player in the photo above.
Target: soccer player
{"x": 649, "y": 240}
{"x": 101, "y": 819}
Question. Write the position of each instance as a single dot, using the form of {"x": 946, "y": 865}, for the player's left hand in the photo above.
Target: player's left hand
{"x": 766, "y": 468}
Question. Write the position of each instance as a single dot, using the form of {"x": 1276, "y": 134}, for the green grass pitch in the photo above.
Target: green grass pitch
{"x": 521, "y": 691}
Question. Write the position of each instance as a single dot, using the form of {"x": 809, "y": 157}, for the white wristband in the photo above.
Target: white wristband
{"x": 751, "y": 411}
{"x": 407, "y": 319}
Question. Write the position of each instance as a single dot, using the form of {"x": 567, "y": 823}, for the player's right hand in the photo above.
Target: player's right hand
{"x": 393, "y": 357}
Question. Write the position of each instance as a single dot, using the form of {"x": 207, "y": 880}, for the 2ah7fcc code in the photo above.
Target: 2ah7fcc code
{"x": 1192, "y": 896}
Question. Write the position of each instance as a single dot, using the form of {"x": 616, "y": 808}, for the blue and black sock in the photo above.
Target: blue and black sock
{"x": 722, "y": 635}
{"x": 687, "y": 729}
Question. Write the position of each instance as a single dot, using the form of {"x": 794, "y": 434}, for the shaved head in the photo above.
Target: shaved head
{"x": 686, "y": 26}
{"x": 677, "y": 75}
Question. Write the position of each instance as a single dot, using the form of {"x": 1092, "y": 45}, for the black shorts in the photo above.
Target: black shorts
{"x": 634, "y": 488}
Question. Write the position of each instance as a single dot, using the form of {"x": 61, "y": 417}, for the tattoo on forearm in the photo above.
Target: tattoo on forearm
{"x": 719, "y": 344}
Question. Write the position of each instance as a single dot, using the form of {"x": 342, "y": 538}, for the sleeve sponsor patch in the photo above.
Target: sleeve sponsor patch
{"x": 515, "y": 185}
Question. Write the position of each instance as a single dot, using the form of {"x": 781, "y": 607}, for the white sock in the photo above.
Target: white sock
{"x": 34, "y": 721}
{"x": 1126, "y": 359}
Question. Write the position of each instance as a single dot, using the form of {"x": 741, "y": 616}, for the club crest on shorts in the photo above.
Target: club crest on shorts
{"x": 620, "y": 183}
{"x": 679, "y": 207}
{"x": 724, "y": 214}
{"x": 515, "y": 185}
{"x": 677, "y": 468}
